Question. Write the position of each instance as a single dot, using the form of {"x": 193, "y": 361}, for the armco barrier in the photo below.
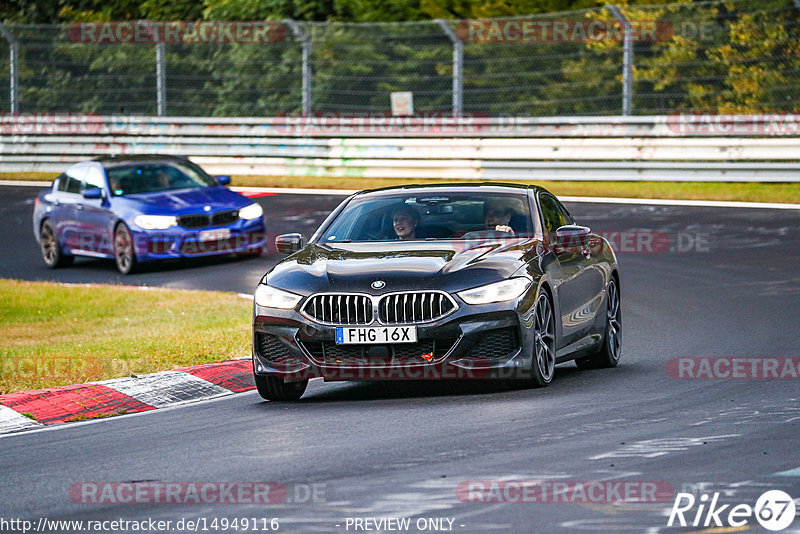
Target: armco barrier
{"x": 692, "y": 148}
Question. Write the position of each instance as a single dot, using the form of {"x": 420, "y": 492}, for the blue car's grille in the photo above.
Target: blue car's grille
{"x": 223, "y": 218}
{"x": 202, "y": 220}
{"x": 193, "y": 221}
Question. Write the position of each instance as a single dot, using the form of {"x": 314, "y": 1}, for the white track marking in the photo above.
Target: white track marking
{"x": 12, "y": 421}
{"x": 166, "y": 388}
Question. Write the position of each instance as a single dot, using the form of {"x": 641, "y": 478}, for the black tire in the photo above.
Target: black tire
{"x": 610, "y": 352}
{"x": 52, "y": 254}
{"x": 124, "y": 253}
{"x": 543, "y": 363}
{"x": 275, "y": 389}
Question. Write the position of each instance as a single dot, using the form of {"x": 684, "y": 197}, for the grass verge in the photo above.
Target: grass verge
{"x": 56, "y": 335}
{"x": 744, "y": 192}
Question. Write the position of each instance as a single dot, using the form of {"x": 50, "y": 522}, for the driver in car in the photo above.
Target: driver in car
{"x": 497, "y": 216}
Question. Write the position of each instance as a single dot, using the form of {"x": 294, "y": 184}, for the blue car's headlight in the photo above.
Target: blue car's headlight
{"x": 496, "y": 292}
{"x": 271, "y": 297}
{"x": 253, "y": 211}
{"x": 155, "y": 222}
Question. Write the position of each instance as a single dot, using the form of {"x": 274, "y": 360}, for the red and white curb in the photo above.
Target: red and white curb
{"x": 27, "y": 410}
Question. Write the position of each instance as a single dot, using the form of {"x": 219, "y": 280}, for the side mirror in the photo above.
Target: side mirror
{"x": 224, "y": 180}
{"x": 289, "y": 243}
{"x": 571, "y": 236}
{"x": 93, "y": 193}
{"x": 572, "y": 230}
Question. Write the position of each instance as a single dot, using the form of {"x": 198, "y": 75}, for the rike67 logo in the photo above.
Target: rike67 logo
{"x": 774, "y": 510}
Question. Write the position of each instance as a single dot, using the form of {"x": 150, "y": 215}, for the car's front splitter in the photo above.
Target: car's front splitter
{"x": 487, "y": 345}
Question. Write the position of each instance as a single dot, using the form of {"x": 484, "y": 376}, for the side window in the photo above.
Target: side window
{"x": 94, "y": 179}
{"x": 62, "y": 182}
{"x": 553, "y": 214}
{"x": 72, "y": 180}
{"x": 565, "y": 216}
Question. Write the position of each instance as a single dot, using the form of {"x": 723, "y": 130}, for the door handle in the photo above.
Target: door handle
{"x": 79, "y": 206}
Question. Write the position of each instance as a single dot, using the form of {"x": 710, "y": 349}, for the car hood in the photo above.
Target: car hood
{"x": 447, "y": 265}
{"x": 182, "y": 201}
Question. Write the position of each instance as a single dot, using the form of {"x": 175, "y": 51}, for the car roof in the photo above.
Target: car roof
{"x": 114, "y": 160}
{"x": 451, "y": 187}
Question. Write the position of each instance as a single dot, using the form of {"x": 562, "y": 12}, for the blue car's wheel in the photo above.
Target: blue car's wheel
{"x": 51, "y": 251}
{"x": 124, "y": 254}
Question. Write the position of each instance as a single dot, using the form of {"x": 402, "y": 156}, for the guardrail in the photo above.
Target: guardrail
{"x": 691, "y": 148}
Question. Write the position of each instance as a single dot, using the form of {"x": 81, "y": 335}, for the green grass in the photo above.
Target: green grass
{"x": 53, "y": 335}
{"x": 745, "y": 192}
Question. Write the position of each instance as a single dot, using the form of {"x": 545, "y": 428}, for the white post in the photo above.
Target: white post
{"x": 302, "y": 35}
{"x": 13, "y": 68}
{"x": 161, "y": 79}
{"x": 627, "y": 61}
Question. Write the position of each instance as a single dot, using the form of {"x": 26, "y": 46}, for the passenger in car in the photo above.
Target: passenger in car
{"x": 404, "y": 221}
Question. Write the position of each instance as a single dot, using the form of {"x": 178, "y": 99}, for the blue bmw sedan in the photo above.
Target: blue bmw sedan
{"x": 136, "y": 209}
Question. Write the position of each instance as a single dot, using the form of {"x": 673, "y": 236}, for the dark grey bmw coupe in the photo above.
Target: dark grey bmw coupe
{"x": 445, "y": 281}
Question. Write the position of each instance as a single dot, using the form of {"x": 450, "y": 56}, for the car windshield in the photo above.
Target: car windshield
{"x": 431, "y": 215}
{"x": 150, "y": 177}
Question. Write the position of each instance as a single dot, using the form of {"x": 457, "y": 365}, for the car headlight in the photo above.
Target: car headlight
{"x": 270, "y": 297}
{"x": 155, "y": 222}
{"x": 496, "y": 292}
{"x": 253, "y": 211}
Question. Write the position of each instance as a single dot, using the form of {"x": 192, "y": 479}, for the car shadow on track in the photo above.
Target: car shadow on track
{"x": 166, "y": 266}
{"x": 407, "y": 389}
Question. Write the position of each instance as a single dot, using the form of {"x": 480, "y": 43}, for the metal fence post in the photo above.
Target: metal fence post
{"x": 13, "y": 68}
{"x": 627, "y": 61}
{"x": 161, "y": 79}
{"x": 302, "y": 35}
{"x": 458, "y": 62}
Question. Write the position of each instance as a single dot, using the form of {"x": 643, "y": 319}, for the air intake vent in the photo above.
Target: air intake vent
{"x": 199, "y": 220}
{"x": 202, "y": 220}
{"x": 414, "y": 307}
{"x": 224, "y": 218}
{"x": 340, "y": 309}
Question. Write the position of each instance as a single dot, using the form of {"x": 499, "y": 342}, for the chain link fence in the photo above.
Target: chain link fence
{"x": 738, "y": 56}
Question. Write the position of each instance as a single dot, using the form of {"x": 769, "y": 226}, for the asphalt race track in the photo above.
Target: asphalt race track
{"x": 718, "y": 283}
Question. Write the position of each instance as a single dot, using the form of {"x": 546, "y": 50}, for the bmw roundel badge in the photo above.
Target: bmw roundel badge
{"x": 378, "y": 284}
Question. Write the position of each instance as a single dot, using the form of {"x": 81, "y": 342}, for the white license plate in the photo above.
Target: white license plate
{"x": 376, "y": 334}
{"x": 214, "y": 235}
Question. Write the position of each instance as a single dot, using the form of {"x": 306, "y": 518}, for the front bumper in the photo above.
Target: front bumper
{"x": 244, "y": 237}
{"x": 474, "y": 342}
